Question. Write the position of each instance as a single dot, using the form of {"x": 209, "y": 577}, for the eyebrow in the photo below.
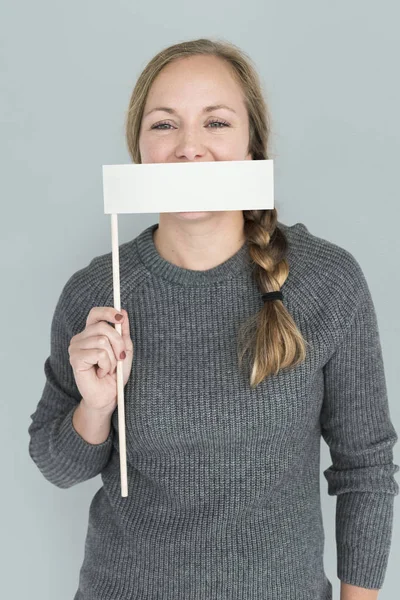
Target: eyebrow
{"x": 207, "y": 109}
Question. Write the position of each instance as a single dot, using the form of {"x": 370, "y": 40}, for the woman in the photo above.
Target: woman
{"x": 223, "y": 454}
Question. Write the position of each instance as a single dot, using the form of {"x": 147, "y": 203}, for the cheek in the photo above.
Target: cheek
{"x": 154, "y": 150}
{"x": 233, "y": 142}
{"x": 233, "y": 149}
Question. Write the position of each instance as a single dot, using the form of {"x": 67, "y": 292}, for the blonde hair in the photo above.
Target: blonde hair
{"x": 271, "y": 336}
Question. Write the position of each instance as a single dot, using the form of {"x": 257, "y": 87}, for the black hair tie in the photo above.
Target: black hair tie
{"x": 272, "y": 296}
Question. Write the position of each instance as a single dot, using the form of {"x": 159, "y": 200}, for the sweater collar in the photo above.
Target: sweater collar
{"x": 236, "y": 265}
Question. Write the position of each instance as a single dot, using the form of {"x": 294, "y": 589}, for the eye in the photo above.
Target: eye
{"x": 159, "y": 125}
{"x": 223, "y": 123}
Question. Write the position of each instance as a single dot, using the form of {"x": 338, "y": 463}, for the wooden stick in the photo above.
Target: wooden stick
{"x": 120, "y": 375}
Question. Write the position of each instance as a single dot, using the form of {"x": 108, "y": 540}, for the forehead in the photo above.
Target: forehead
{"x": 196, "y": 75}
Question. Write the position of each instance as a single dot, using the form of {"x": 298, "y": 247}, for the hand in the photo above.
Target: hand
{"x": 93, "y": 356}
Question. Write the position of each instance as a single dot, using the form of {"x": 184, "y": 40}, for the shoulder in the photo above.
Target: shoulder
{"x": 308, "y": 248}
{"x": 307, "y": 245}
{"x": 325, "y": 274}
{"x": 93, "y": 285}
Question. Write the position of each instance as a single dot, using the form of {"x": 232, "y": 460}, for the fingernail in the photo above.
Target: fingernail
{"x": 122, "y": 355}
{"x": 118, "y": 317}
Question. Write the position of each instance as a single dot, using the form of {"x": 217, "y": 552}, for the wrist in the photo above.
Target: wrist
{"x": 93, "y": 425}
{"x": 104, "y": 412}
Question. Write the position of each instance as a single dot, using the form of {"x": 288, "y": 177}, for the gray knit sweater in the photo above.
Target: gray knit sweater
{"x": 224, "y": 495}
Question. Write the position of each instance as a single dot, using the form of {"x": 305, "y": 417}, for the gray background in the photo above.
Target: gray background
{"x": 331, "y": 75}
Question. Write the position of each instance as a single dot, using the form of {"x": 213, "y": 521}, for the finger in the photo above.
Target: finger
{"x": 102, "y": 328}
{"x": 125, "y": 331}
{"x": 84, "y": 359}
{"x": 100, "y": 341}
{"x": 102, "y": 313}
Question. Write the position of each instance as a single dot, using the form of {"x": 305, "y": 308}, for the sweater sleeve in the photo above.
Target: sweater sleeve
{"x": 60, "y": 453}
{"x": 356, "y": 425}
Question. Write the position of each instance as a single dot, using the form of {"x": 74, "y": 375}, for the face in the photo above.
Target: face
{"x": 187, "y": 131}
{"x": 179, "y": 126}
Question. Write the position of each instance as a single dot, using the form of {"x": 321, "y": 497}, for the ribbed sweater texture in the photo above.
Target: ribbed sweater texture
{"x": 223, "y": 480}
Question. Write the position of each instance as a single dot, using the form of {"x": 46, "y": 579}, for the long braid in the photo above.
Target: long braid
{"x": 271, "y": 335}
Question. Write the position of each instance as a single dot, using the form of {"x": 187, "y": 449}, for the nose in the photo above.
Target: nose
{"x": 190, "y": 145}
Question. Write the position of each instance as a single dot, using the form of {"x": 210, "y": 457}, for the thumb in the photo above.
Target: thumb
{"x": 125, "y": 330}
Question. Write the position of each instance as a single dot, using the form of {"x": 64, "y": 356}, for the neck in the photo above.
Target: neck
{"x": 197, "y": 241}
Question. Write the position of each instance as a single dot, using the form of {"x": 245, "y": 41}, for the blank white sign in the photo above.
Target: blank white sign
{"x": 187, "y": 187}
